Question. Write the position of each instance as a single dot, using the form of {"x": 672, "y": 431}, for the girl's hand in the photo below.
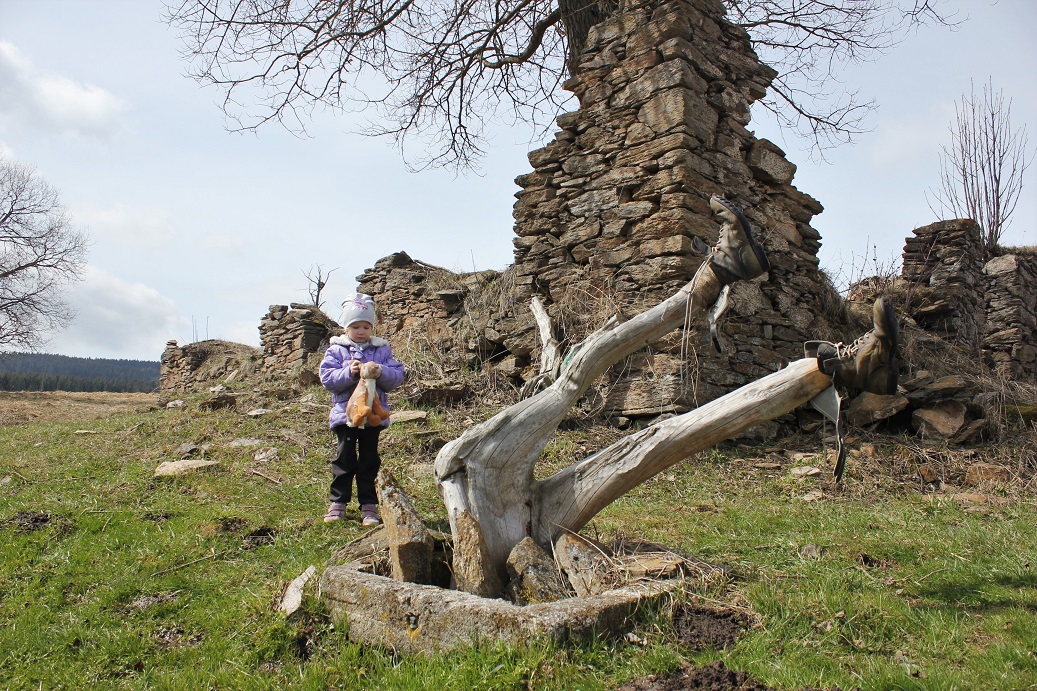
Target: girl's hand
{"x": 354, "y": 367}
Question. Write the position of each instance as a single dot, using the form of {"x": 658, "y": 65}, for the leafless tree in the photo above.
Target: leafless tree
{"x": 981, "y": 171}
{"x": 445, "y": 70}
{"x": 40, "y": 252}
{"x": 317, "y": 280}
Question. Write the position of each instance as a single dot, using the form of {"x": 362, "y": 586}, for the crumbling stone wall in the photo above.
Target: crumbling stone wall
{"x": 986, "y": 305}
{"x": 1010, "y": 336}
{"x": 426, "y": 308}
{"x": 293, "y": 339}
{"x": 607, "y": 216}
{"x": 196, "y": 366}
{"x": 943, "y": 270}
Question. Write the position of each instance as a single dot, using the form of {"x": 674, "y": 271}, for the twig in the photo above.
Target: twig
{"x": 184, "y": 565}
{"x": 919, "y": 581}
{"x": 272, "y": 479}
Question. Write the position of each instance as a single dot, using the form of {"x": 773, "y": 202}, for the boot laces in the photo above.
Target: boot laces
{"x": 849, "y": 352}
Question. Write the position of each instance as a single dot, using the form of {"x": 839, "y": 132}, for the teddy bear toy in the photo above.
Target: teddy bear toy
{"x": 364, "y": 406}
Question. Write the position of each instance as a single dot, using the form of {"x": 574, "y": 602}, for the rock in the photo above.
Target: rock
{"x": 804, "y": 471}
{"x": 292, "y": 598}
{"x": 219, "y": 402}
{"x": 173, "y": 468}
{"x": 186, "y": 450}
{"x": 265, "y": 455}
{"x": 813, "y": 495}
{"x": 470, "y": 556}
{"x": 653, "y": 565}
{"x": 928, "y": 474}
{"x": 937, "y": 390}
{"x": 411, "y": 618}
{"x": 869, "y": 408}
{"x": 175, "y": 404}
{"x": 585, "y": 564}
{"x": 440, "y": 391}
{"x": 257, "y": 412}
{"x": 982, "y": 473}
{"x": 401, "y": 416}
{"x": 943, "y": 420}
{"x": 534, "y": 575}
{"x": 245, "y": 442}
{"x": 410, "y": 543}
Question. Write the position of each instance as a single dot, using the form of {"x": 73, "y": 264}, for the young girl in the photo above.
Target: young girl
{"x": 357, "y": 451}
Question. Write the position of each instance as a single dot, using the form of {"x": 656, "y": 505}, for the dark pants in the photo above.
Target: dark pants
{"x": 356, "y": 456}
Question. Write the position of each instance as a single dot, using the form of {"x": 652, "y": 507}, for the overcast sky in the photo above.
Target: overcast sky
{"x": 196, "y": 231}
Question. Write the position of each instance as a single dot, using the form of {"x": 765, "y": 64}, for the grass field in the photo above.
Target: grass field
{"x": 113, "y": 578}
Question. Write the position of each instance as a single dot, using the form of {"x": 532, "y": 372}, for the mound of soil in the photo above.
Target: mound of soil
{"x": 702, "y": 628}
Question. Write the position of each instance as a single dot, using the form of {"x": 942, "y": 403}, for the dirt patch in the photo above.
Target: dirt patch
{"x": 28, "y": 522}
{"x": 712, "y": 677}
{"x": 25, "y": 407}
{"x": 703, "y": 628}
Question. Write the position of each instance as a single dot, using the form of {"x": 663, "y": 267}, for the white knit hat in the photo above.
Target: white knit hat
{"x": 359, "y": 308}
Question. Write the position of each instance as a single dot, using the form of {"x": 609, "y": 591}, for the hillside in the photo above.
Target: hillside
{"x": 46, "y": 372}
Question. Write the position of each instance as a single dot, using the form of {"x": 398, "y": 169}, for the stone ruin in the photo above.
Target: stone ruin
{"x": 604, "y": 225}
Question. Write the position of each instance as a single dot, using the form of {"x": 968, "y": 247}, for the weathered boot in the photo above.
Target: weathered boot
{"x": 869, "y": 363}
{"x": 737, "y": 256}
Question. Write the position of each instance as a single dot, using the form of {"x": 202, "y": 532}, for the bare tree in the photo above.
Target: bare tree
{"x": 981, "y": 171}
{"x": 445, "y": 70}
{"x": 40, "y": 252}
{"x": 317, "y": 281}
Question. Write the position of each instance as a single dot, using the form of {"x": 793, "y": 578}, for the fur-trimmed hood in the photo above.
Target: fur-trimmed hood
{"x": 344, "y": 340}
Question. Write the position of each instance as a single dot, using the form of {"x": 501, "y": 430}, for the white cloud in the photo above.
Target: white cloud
{"x": 117, "y": 319}
{"x": 32, "y": 99}
{"x": 218, "y": 243}
{"x": 138, "y": 226}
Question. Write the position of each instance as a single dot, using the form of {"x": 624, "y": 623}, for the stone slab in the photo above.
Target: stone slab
{"x": 412, "y": 618}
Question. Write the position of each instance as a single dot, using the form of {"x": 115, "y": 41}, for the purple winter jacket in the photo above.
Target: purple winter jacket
{"x": 336, "y": 377}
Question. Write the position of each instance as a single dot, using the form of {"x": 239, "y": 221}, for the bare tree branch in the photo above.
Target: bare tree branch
{"x": 40, "y": 252}
{"x": 981, "y": 171}
{"x": 443, "y": 71}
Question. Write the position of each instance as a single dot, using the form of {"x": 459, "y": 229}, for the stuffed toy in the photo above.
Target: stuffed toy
{"x": 364, "y": 406}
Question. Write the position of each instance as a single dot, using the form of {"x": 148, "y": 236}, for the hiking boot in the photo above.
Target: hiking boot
{"x": 336, "y": 512}
{"x": 869, "y": 363}
{"x": 369, "y": 515}
{"x": 737, "y": 256}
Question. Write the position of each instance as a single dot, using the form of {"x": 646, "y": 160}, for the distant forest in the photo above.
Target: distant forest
{"x": 42, "y": 372}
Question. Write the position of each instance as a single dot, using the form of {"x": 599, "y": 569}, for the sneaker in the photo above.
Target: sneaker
{"x": 869, "y": 363}
{"x": 369, "y": 515}
{"x": 336, "y": 512}
{"x": 737, "y": 255}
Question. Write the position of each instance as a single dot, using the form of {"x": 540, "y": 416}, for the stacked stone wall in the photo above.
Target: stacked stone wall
{"x": 605, "y": 220}
{"x": 293, "y": 339}
{"x": 943, "y": 270}
{"x": 1010, "y": 336}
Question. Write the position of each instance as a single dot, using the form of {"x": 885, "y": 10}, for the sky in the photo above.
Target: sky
{"x": 196, "y": 230}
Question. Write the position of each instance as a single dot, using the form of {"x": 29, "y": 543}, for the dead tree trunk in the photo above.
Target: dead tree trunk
{"x": 487, "y": 473}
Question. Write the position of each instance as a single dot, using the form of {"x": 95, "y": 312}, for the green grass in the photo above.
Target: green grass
{"x": 113, "y": 578}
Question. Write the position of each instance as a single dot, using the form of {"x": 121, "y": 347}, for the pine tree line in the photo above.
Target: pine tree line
{"x": 44, "y": 372}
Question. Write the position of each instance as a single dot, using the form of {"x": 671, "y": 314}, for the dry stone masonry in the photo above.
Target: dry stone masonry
{"x": 943, "y": 265}
{"x": 1010, "y": 336}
